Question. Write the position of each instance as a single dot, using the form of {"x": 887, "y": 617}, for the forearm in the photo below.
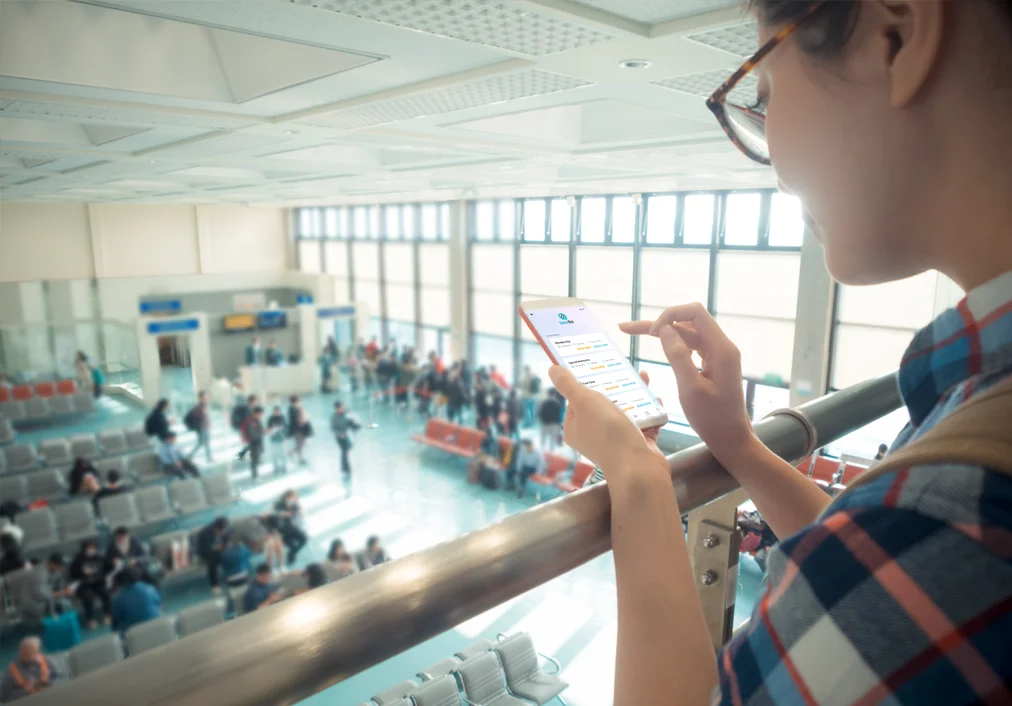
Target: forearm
{"x": 664, "y": 651}
{"x": 787, "y": 500}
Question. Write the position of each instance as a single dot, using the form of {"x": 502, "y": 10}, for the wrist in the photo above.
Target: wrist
{"x": 737, "y": 458}
{"x": 645, "y": 472}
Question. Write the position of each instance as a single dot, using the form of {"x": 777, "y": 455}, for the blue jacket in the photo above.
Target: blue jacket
{"x": 135, "y": 604}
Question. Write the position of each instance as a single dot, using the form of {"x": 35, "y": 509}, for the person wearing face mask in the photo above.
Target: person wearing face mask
{"x": 88, "y": 570}
{"x": 889, "y": 120}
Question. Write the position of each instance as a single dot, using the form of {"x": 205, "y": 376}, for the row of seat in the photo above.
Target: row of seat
{"x": 466, "y": 442}
{"x": 41, "y": 408}
{"x": 63, "y": 525}
{"x": 109, "y": 443}
{"x": 109, "y": 649}
{"x": 44, "y": 390}
{"x": 248, "y": 529}
{"x": 830, "y": 473}
{"x": 486, "y": 672}
{"x": 6, "y": 431}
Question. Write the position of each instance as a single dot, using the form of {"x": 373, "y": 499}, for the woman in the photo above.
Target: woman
{"x": 88, "y": 570}
{"x": 298, "y": 428}
{"x": 83, "y": 374}
{"x": 890, "y": 121}
{"x": 157, "y": 422}
{"x": 288, "y": 514}
{"x": 82, "y": 467}
{"x": 316, "y": 576}
{"x": 339, "y": 559}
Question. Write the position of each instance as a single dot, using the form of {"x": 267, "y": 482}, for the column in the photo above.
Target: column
{"x": 813, "y": 325}
{"x": 458, "y": 281}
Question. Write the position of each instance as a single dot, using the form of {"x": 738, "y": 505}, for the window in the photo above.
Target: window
{"x": 305, "y": 222}
{"x": 507, "y": 220}
{"x": 741, "y": 219}
{"x": 769, "y": 399}
{"x": 484, "y": 220}
{"x": 864, "y": 442}
{"x": 309, "y": 256}
{"x": 494, "y": 350}
{"x": 592, "y": 215}
{"x": 330, "y": 223}
{"x": 374, "y": 222}
{"x": 430, "y": 221}
{"x": 393, "y": 222}
{"x": 623, "y": 219}
{"x": 408, "y": 221}
{"x": 787, "y": 226}
{"x": 343, "y": 227}
{"x": 561, "y": 220}
{"x": 697, "y": 219}
{"x": 316, "y": 225}
{"x": 534, "y": 220}
{"x": 661, "y": 212}
{"x": 446, "y": 224}
{"x": 361, "y": 218}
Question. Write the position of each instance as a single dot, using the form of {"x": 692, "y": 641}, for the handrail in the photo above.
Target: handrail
{"x": 285, "y": 653}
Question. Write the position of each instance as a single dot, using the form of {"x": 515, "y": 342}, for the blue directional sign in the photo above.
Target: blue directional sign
{"x": 335, "y": 311}
{"x": 174, "y": 326}
{"x": 303, "y": 298}
{"x": 162, "y": 306}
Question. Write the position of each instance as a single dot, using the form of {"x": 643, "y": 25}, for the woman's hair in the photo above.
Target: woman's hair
{"x": 829, "y": 30}
{"x": 163, "y": 404}
{"x": 335, "y": 547}
{"x": 316, "y": 576}
{"x": 9, "y": 544}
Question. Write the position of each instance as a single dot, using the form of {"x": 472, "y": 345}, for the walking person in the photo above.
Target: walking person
{"x": 530, "y": 388}
{"x": 238, "y": 417}
{"x": 550, "y": 418}
{"x": 82, "y": 373}
{"x": 298, "y": 428}
{"x": 198, "y": 420}
{"x": 254, "y": 432}
{"x": 342, "y": 424}
{"x": 157, "y": 422}
{"x": 276, "y": 432}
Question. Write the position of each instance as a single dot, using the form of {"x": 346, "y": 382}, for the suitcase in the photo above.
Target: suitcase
{"x": 61, "y": 632}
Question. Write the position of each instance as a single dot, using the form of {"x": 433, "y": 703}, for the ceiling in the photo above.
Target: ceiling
{"x": 343, "y": 101}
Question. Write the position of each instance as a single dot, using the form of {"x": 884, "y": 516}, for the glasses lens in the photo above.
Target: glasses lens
{"x": 749, "y": 126}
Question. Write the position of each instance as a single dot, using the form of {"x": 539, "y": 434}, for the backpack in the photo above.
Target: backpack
{"x": 976, "y": 433}
{"x": 535, "y": 385}
{"x": 149, "y": 425}
{"x": 192, "y": 419}
{"x": 97, "y": 377}
{"x": 238, "y": 416}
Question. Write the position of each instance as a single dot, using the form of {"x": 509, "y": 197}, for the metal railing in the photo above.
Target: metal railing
{"x": 296, "y": 648}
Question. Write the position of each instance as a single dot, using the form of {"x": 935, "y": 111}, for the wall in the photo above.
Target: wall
{"x": 45, "y": 241}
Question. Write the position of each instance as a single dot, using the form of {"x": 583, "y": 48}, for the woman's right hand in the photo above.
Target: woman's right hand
{"x": 712, "y": 399}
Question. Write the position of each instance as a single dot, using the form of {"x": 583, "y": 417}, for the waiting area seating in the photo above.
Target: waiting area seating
{"x": 503, "y": 673}
{"x": 43, "y": 400}
{"x": 829, "y": 473}
{"x": 61, "y": 452}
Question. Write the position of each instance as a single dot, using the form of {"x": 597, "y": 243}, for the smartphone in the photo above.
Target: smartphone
{"x": 571, "y": 336}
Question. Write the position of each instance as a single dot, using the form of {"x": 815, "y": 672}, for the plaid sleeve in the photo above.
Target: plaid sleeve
{"x": 901, "y": 594}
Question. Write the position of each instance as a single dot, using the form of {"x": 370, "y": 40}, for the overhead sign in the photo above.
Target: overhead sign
{"x": 175, "y": 326}
{"x": 333, "y": 312}
{"x": 303, "y": 298}
{"x": 162, "y": 306}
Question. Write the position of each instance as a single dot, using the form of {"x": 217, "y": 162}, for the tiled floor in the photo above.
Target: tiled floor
{"x": 414, "y": 498}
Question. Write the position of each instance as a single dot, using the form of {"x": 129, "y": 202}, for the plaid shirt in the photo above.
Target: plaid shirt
{"x": 902, "y": 592}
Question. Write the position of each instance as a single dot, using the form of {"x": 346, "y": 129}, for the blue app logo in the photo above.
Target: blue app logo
{"x": 563, "y": 317}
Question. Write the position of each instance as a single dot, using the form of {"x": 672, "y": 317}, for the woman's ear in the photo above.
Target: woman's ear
{"x": 912, "y": 31}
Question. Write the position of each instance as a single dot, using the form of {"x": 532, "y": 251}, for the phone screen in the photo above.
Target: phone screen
{"x": 579, "y": 342}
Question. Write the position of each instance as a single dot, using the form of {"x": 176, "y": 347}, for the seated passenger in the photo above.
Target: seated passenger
{"x": 126, "y": 550}
{"x": 316, "y": 576}
{"x": 262, "y": 592}
{"x": 339, "y": 558}
{"x": 374, "y": 553}
{"x": 60, "y": 590}
{"x": 113, "y": 486}
{"x": 235, "y": 561}
{"x": 136, "y": 601}
{"x": 173, "y": 461}
{"x": 82, "y": 467}
{"x": 88, "y": 571}
{"x": 30, "y": 672}
{"x": 211, "y": 542}
{"x": 529, "y": 461}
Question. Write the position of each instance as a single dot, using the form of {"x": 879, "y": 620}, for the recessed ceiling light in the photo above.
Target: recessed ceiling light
{"x": 635, "y": 64}
{"x": 152, "y": 161}
{"x": 291, "y": 132}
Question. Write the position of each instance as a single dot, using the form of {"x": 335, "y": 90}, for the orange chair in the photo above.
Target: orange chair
{"x": 468, "y": 442}
{"x": 45, "y": 390}
{"x": 824, "y": 470}
{"x": 66, "y": 387}
{"x": 5, "y": 393}
{"x": 554, "y": 465}
{"x": 581, "y": 473}
{"x": 438, "y": 434}
{"x": 23, "y": 392}
{"x": 805, "y": 466}
{"x": 850, "y": 472}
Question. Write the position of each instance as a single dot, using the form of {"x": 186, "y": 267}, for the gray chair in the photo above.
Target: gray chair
{"x": 146, "y": 467}
{"x": 154, "y": 504}
{"x": 474, "y": 649}
{"x": 36, "y": 408}
{"x": 14, "y": 489}
{"x": 440, "y": 691}
{"x": 218, "y": 489}
{"x": 202, "y": 616}
{"x": 84, "y": 446}
{"x": 249, "y": 529}
{"x": 3, "y": 462}
{"x": 439, "y": 669}
{"x": 48, "y": 485}
{"x": 20, "y": 458}
{"x": 76, "y": 521}
{"x": 161, "y": 548}
{"x": 395, "y": 693}
{"x": 83, "y": 401}
{"x": 120, "y": 511}
{"x": 188, "y": 496}
{"x": 153, "y": 633}
{"x": 523, "y": 671}
{"x": 293, "y": 581}
{"x": 27, "y": 590}
{"x": 137, "y": 439}
{"x": 13, "y": 410}
{"x": 61, "y": 404}
{"x": 96, "y": 653}
{"x": 483, "y": 682}
{"x": 6, "y": 431}
{"x": 113, "y": 442}
{"x": 55, "y": 452}
{"x": 118, "y": 464}
{"x": 39, "y": 527}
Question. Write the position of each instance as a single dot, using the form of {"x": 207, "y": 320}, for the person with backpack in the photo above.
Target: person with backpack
{"x": 198, "y": 420}
{"x": 889, "y": 120}
{"x": 157, "y": 422}
{"x": 342, "y": 423}
{"x": 253, "y": 433}
{"x": 238, "y": 417}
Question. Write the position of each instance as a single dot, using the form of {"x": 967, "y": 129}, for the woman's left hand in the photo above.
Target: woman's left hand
{"x": 599, "y": 430}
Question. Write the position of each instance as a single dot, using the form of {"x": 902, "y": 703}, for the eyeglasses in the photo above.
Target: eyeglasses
{"x": 746, "y": 125}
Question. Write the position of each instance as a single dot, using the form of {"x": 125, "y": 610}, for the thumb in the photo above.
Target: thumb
{"x": 565, "y": 382}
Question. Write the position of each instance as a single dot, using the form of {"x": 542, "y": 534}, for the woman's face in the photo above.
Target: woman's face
{"x": 854, "y": 160}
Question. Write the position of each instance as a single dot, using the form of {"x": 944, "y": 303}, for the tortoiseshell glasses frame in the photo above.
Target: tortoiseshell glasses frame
{"x": 754, "y": 120}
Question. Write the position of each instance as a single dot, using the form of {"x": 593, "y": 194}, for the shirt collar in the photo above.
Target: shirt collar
{"x": 973, "y": 338}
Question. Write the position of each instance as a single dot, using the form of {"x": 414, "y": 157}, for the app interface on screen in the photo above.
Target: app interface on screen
{"x": 578, "y": 341}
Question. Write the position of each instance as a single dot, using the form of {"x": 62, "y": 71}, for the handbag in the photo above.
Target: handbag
{"x": 61, "y": 632}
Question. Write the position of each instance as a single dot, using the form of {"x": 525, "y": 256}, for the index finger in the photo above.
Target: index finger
{"x": 695, "y": 314}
